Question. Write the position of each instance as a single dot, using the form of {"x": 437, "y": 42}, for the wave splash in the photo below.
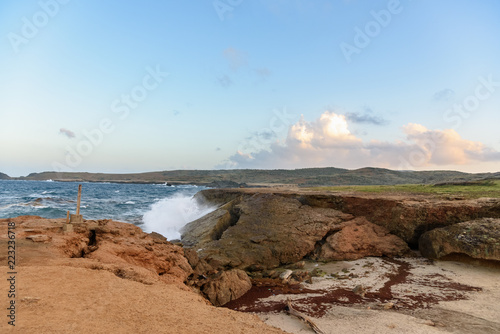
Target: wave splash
{"x": 169, "y": 215}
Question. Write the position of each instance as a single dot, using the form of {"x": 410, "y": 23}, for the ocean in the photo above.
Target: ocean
{"x": 152, "y": 207}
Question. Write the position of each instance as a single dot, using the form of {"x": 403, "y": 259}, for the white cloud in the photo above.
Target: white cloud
{"x": 328, "y": 141}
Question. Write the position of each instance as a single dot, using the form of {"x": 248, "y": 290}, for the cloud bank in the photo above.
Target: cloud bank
{"x": 328, "y": 141}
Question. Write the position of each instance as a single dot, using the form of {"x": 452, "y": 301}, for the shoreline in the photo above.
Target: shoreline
{"x": 175, "y": 183}
{"x": 345, "y": 260}
{"x": 370, "y": 295}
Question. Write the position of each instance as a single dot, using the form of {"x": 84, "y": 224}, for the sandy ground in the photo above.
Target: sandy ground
{"x": 404, "y": 296}
{"x": 60, "y": 299}
{"x": 56, "y": 293}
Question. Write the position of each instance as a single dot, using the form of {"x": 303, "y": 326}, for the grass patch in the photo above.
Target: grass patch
{"x": 473, "y": 189}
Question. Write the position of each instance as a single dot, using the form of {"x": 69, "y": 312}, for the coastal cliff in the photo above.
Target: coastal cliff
{"x": 271, "y": 227}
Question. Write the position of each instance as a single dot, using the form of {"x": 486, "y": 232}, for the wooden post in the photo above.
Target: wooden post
{"x": 77, "y": 218}
{"x": 79, "y": 198}
{"x": 68, "y": 227}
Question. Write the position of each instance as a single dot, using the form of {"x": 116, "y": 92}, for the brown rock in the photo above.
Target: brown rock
{"x": 157, "y": 237}
{"x": 120, "y": 248}
{"x": 227, "y": 286}
{"x": 127, "y": 245}
{"x": 39, "y": 238}
{"x": 477, "y": 238}
{"x": 209, "y": 227}
{"x": 359, "y": 238}
{"x": 406, "y": 216}
{"x": 388, "y": 306}
{"x": 105, "y": 285}
{"x": 359, "y": 290}
{"x": 200, "y": 267}
{"x": 298, "y": 265}
{"x": 264, "y": 229}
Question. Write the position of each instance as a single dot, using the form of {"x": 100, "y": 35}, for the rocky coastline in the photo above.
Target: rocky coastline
{"x": 289, "y": 242}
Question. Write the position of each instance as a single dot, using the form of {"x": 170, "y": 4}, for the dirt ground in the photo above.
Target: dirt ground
{"x": 61, "y": 299}
{"x": 58, "y": 294}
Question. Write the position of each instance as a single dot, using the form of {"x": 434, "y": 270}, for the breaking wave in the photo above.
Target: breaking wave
{"x": 169, "y": 215}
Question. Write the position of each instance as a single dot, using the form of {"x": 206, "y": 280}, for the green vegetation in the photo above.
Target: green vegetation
{"x": 473, "y": 189}
{"x": 306, "y": 177}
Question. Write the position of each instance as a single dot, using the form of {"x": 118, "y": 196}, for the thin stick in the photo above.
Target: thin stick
{"x": 67, "y": 217}
{"x": 303, "y": 317}
{"x": 79, "y": 198}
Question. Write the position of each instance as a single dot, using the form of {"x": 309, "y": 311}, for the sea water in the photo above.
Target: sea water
{"x": 153, "y": 207}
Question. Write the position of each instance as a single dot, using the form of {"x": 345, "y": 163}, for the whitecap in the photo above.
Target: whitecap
{"x": 169, "y": 215}
{"x": 8, "y": 206}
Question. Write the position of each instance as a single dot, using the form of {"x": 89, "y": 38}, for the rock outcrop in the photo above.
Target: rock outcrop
{"x": 129, "y": 253}
{"x": 110, "y": 277}
{"x": 359, "y": 238}
{"x": 219, "y": 286}
{"x": 406, "y": 216}
{"x": 478, "y": 239}
{"x": 123, "y": 249}
{"x": 227, "y": 286}
{"x": 265, "y": 230}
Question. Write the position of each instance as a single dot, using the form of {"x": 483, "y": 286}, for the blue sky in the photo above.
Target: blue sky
{"x": 129, "y": 86}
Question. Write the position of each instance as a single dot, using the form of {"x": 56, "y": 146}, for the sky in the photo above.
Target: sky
{"x": 136, "y": 86}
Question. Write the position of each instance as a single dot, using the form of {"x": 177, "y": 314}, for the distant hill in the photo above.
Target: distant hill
{"x": 4, "y": 176}
{"x": 306, "y": 177}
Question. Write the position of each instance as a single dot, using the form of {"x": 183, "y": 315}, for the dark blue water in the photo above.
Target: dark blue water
{"x": 166, "y": 208}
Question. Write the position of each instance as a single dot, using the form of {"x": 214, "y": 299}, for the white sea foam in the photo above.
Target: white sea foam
{"x": 8, "y": 206}
{"x": 169, "y": 215}
{"x": 39, "y": 206}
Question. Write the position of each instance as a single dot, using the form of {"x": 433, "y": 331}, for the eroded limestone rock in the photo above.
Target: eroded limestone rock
{"x": 479, "y": 239}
